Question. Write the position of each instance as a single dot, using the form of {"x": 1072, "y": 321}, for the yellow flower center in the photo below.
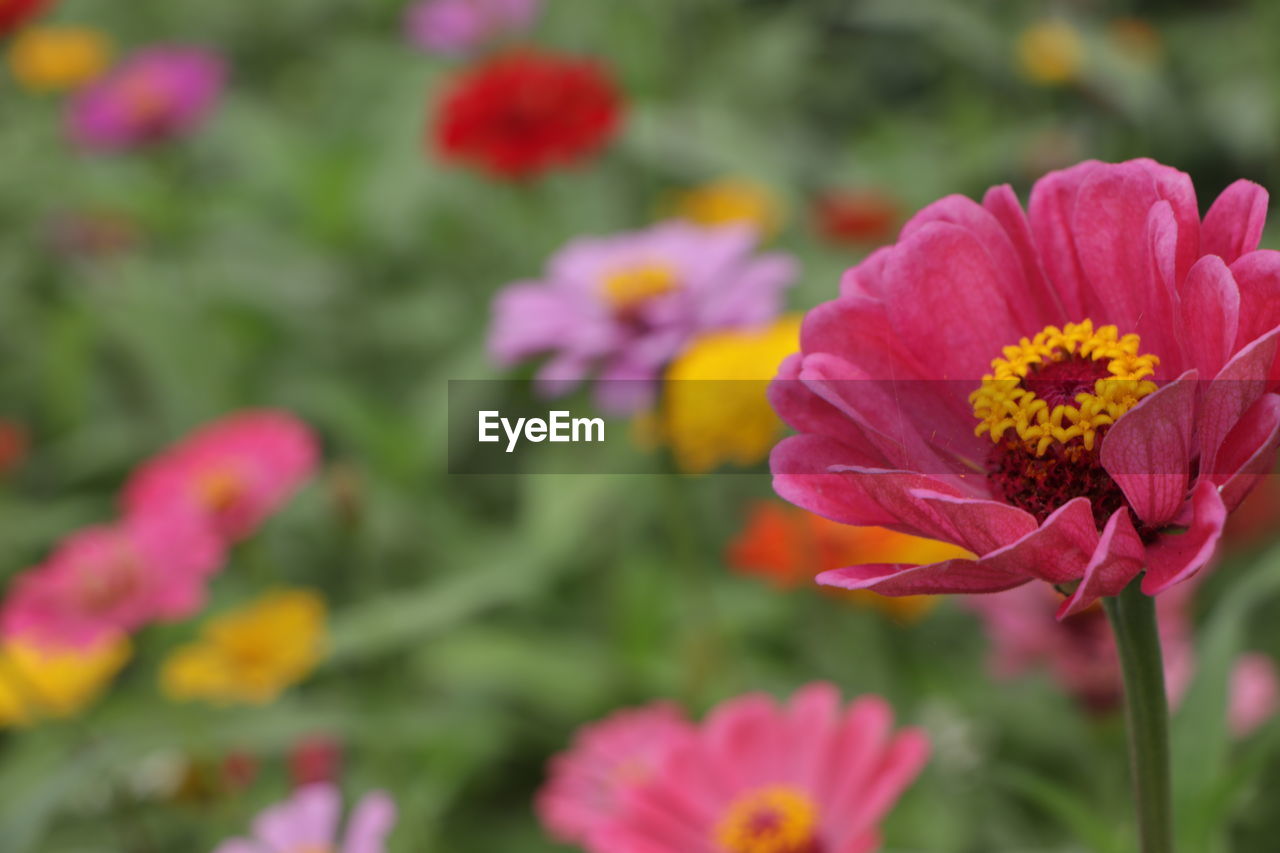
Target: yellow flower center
{"x": 777, "y": 819}
{"x": 633, "y": 286}
{"x": 1064, "y": 386}
{"x": 219, "y": 489}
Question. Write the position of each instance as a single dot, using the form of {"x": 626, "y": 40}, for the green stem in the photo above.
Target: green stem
{"x": 1133, "y": 619}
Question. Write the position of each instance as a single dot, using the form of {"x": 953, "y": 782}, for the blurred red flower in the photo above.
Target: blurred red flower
{"x": 13, "y": 445}
{"x": 849, "y": 216}
{"x": 522, "y": 113}
{"x": 317, "y": 758}
{"x": 14, "y": 13}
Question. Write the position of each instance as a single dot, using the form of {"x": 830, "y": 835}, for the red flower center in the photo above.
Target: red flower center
{"x": 777, "y": 819}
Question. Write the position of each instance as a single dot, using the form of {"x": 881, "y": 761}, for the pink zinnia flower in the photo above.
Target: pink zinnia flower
{"x": 621, "y": 307}
{"x": 810, "y": 777}
{"x": 608, "y": 759}
{"x": 109, "y": 580}
{"x": 236, "y": 471}
{"x": 460, "y": 26}
{"x": 308, "y": 821}
{"x": 1026, "y": 386}
{"x": 156, "y": 95}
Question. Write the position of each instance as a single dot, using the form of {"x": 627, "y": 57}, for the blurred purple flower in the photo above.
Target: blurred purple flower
{"x": 309, "y": 821}
{"x": 156, "y": 95}
{"x": 621, "y": 307}
{"x": 459, "y": 26}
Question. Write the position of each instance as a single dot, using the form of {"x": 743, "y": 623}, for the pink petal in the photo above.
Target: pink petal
{"x": 1148, "y": 450}
{"x": 1210, "y": 314}
{"x": 1257, "y": 276}
{"x": 1117, "y": 560}
{"x": 1249, "y": 451}
{"x": 1236, "y": 388}
{"x": 1051, "y": 214}
{"x": 1233, "y": 225}
{"x": 1175, "y": 557}
{"x": 943, "y": 271}
{"x": 1255, "y": 693}
{"x": 867, "y": 278}
{"x": 1116, "y": 203}
{"x": 980, "y": 526}
{"x": 950, "y": 577}
{"x": 892, "y": 416}
{"x": 309, "y": 818}
{"x": 809, "y": 471}
{"x": 1003, "y": 205}
{"x": 1036, "y": 307}
{"x": 1057, "y": 551}
{"x": 901, "y": 764}
{"x": 370, "y": 824}
{"x": 806, "y": 412}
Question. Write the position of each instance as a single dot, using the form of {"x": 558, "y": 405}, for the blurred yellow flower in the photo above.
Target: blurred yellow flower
{"x": 732, "y": 200}
{"x": 36, "y": 683}
{"x": 250, "y": 654}
{"x": 714, "y": 408}
{"x": 1050, "y": 52}
{"x": 51, "y": 59}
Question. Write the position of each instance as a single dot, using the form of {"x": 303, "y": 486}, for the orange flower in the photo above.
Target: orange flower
{"x": 787, "y": 547}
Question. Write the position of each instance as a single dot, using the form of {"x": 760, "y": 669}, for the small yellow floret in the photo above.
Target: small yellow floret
{"x": 1003, "y": 402}
{"x": 778, "y": 819}
{"x": 732, "y": 200}
{"x": 632, "y": 286}
{"x": 1050, "y": 52}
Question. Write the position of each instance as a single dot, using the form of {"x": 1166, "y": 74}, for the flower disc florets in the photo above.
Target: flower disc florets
{"x": 1046, "y": 403}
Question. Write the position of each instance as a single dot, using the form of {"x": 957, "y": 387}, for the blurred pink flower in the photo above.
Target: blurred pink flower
{"x": 587, "y": 783}
{"x": 1080, "y": 653}
{"x": 157, "y": 94}
{"x": 308, "y": 821}
{"x": 1255, "y": 693}
{"x": 460, "y": 26}
{"x": 621, "y": 307}
{"x": 236, "y": 471}
{"x": 1035, "y": 388}
{"x": 114, "y": 579}
{"x": 756, "y": 777}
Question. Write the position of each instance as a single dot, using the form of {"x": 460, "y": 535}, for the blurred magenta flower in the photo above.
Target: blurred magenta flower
{"x": 110, "y": 580}
{"x": 1255, "y": 693}
{"x": 519, "y": 114}
{"x": 15, "y": 13}
{"x": 236, "y": 471}
{"x": 622, "y": 307}
{"x": 460, "y": 26}
{"x": 1079, "y": 651}
{"x": 308, "y": 823}
{"x": 1087, "y": 449}
{"x": 14, "y": 443}
{"x": 157, "y": 94}
{"x": 587, "y": 784}
{"x": 759, "y": 778}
